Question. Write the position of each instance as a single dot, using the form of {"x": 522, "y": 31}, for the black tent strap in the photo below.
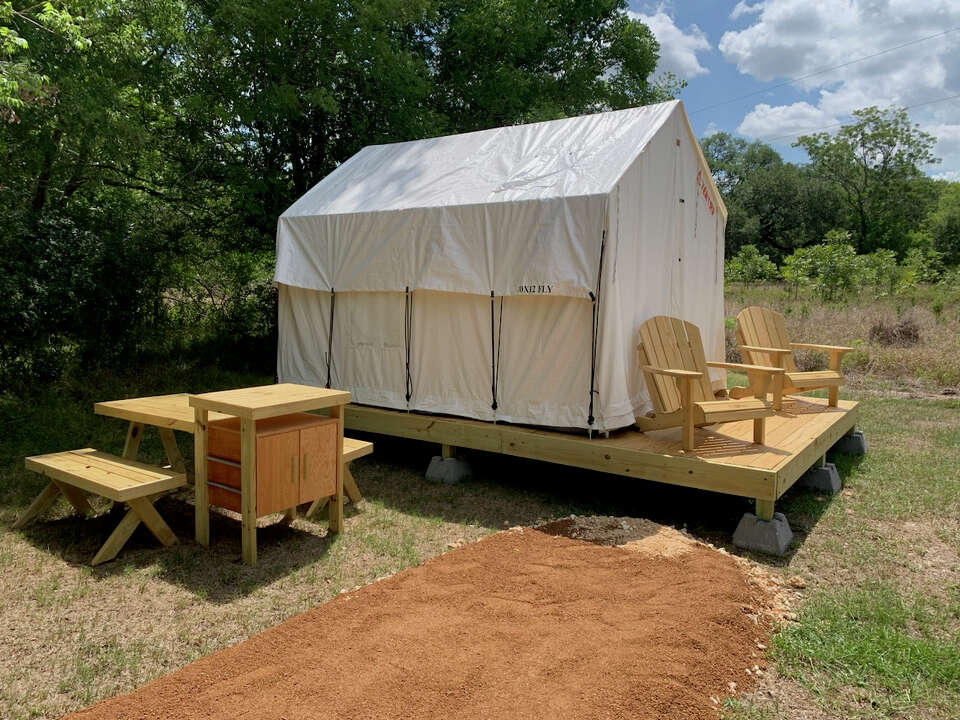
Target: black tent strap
{"x": 408, "y": 330}
{"x": 493, "y": 351}
{"x": 333, "y": 305}
{"x": 595, "y": 330}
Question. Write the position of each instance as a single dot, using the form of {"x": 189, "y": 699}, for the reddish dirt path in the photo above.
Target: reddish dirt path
{"x": 519, "y": 625}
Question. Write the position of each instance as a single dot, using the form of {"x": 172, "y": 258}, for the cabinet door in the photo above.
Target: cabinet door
{"x": 278, "y": 471}
{"x": 318, "y": 454}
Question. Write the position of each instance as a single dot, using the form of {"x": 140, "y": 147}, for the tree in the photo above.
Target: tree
{"x": 943, "y": 224}
{"x": 876, "y": 163}
{"x": 21, "y": 80}
{"x": 773, "y": 205}
{"x": 165, "y": 151}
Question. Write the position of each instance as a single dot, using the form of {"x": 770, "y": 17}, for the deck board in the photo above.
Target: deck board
{"x": 724, "y": 458}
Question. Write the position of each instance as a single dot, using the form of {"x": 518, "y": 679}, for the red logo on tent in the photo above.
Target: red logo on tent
{"x": 703, "y": 191}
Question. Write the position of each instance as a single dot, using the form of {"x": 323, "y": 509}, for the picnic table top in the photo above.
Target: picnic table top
{"x": 165, "y": 411}
{"x": 174, "y": 412}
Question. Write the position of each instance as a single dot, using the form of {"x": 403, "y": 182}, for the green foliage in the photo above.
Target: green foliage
{"x": 875, "y": 162}
{"x": 831, "y": 268}
{"x": 749, "y": 265}
{"x": 943, "y": 224}
{"x": 923, "y": 264}
{"x": 21, "y": 81}
{"x": 774, "y": 205}
{"x": 142, "y": 182}
{"x": 880, "y": 270}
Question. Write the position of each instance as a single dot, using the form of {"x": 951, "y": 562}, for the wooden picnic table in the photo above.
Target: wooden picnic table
{"x": 169, "y": 413}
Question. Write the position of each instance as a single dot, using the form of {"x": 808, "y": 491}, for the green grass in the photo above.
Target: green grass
{"x": 879, "y": 635}
{"x": 872, "y": 651}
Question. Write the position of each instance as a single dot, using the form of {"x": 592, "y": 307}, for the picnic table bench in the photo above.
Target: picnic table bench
{"x": 119, "y": 479}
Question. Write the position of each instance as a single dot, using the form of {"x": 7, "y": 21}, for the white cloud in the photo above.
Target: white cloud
{"x": 678, "y": 48}
{"x": 769, "y": 122}
{"x": 711, "y": 129}
{"x": 951, "y": 175}
{"x": 743, "y": 8}
{"x": 794, "y": 38}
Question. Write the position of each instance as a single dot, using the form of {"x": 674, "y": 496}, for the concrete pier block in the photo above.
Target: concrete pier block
{"x": 823, "y": 478}
{"x": 449, "y": 470}
{"x": 851, "y": 444}
{"x": 772, "y": 537}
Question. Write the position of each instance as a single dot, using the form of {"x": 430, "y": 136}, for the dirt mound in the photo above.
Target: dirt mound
{"x": 522, "y": 624}
{"x": 636, "y": 534}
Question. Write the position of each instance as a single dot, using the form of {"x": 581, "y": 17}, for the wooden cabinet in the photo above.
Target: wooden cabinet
{"x": 295, "y": 462}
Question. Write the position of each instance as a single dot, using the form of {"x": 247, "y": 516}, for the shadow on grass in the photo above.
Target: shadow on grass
{"x": 507, "y": 491}
{"x": 215, "y": 573}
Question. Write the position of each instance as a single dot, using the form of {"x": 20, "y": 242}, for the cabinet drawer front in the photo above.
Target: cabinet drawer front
{"x": 221, "y": 497}
{"x": 223, "y": 473}
{"x": 278, "y": 472}
{"x": 224, "y": 441}
{"x": 318, "y": 458}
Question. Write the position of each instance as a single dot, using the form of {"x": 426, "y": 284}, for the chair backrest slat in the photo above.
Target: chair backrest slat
{"x": 671, "y": 343}
{"x": 763, "y": 327}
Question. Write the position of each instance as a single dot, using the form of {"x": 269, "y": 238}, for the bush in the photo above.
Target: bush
{"x": 880, "y": 269}
{"x": 833, "y": 269}
{"x": 905, "y": 333}
{"x": 749, "y": 265}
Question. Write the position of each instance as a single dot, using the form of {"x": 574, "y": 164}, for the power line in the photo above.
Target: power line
{"x": 827, "y": 127}
{"x": 821, "y": 72}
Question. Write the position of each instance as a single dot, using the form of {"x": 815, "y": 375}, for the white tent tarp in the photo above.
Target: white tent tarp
{"x": 502, "y": 274}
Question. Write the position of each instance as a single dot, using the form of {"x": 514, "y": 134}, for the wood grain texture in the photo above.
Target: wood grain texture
{"x": 724, "y": 458}
{"x": 318, "y": 458}
{"x": 103, "y": 474}
{"x": 270, "y": 400}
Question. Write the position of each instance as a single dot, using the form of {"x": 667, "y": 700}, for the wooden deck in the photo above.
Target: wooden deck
{"x": 724, "y": 459}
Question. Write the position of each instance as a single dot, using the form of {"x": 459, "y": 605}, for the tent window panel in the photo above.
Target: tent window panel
{"x": 450, "y": 358}
{"x": 545, "y": 357}
{"x": 374, "y": 319}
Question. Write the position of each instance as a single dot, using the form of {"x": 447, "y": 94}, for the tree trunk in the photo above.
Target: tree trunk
{"x": 46, "y": 171}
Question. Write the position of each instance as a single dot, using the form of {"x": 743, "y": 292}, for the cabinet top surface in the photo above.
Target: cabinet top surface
{"x": 270, "y": 400}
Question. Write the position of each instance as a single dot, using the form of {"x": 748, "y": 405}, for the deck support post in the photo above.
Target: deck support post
{"x": 764, "y": 509}
{"x": 448, "y": 451}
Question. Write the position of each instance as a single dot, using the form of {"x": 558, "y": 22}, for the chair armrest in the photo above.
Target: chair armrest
{"x": 824, "y": 348}
{"x": 746, "y": 368}
{"x": 671, "y": 372}
{"x": 771, "y": 350}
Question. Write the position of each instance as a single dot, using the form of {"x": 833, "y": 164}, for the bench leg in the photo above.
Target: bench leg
{"x": 151, "y": 518}
{"x": 350, "y": 485}
{"x": 316, "y": 506}
{"x": 76, "y": 497}
{"x": 117, "y": 539}
{"x": 39, "y": 506}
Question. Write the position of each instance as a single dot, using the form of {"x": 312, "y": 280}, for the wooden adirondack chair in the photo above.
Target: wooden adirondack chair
{"x": 762, "y": 337}
{"x": 675, "y": 369}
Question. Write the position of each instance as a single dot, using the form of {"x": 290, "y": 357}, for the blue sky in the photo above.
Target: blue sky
{"x": 727, "y": 49}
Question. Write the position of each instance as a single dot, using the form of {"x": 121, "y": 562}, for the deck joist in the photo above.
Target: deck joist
{"x": 724, "y": 459}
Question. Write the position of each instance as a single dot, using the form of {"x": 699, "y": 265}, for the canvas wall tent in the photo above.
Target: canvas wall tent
{"x": 502, "y": 274}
